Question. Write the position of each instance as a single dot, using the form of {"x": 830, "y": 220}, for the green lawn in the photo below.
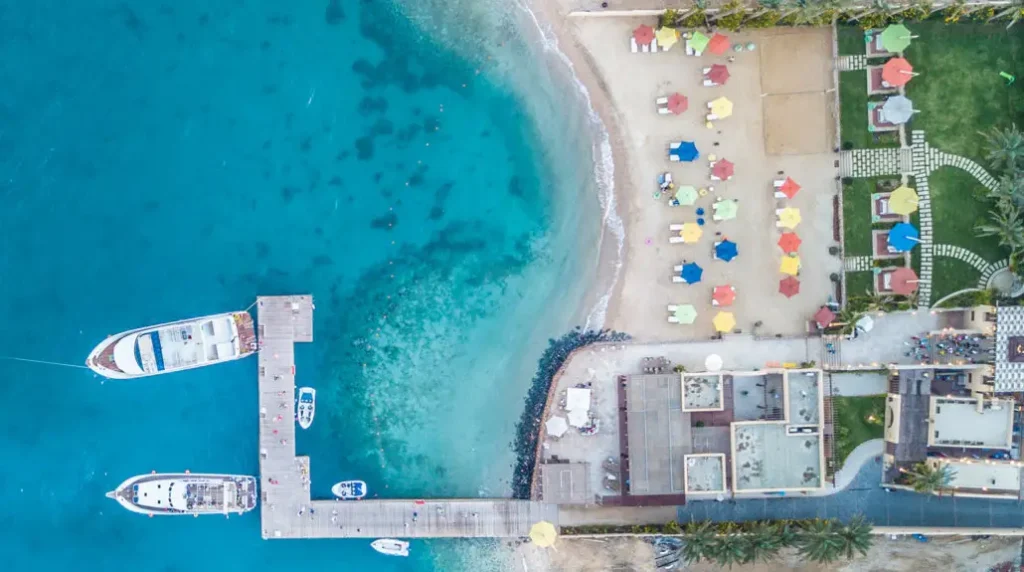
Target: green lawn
{"x": 857, "y": 217}
{"x": 959, "y": 91}
{"x": 857, "y": 419}
{"x": 853, "y": 94}
{"x": 957, "y": 209}
{"x": 851, "y": 40}
{"x": 951, "y": 275}
{"x": 857, "y": 283}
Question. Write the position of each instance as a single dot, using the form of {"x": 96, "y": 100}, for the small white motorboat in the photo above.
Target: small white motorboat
{"x": 391, "y": 547}
{"x": 307, "y": 406}
{"x": 349, "y": 490}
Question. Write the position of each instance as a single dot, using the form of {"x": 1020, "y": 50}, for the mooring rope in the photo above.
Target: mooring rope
{"x": 43, "y": 362}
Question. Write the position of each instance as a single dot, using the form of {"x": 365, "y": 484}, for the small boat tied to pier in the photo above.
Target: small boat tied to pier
{"x": 391, "y": 547}
{"x": 306, "y": 407}
{"x": 186, "y": 493}
{"x": 349, "y": 490}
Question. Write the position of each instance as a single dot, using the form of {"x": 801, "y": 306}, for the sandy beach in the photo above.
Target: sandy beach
{"x": 782, "y": 121}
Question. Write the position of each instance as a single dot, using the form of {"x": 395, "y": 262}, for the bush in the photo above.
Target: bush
{"x": 970, "y": 299}
{"x": 766, "y": 20}
{"x": 696, "y": 19}
{"x": 984, "y": 15}
{"x": 735, "y": 20}
{"x": 875, "y": 20}
{"x": 668, "y": 18}
{"x": 953, "y": 13}
{"x": 847, "y": 145}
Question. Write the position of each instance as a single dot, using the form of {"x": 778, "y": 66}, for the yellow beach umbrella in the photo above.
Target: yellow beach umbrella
{"x": 789, "y": 217}
{"x": 667, "y": 37}
{"x": 691, "y": 232}
{"x": 724, "y": 321}
{"x": 903, "y": 200}
{"x": 543, "y": 534}
{"x": 721, "y": 107}
{"x": 790, "y": 265}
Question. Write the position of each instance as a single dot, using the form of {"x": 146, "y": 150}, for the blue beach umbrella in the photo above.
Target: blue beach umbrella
{"x": 726, "y": 250}
{"x": 685, "y": 151}
{"x": 903, "y": 237}
{"x": 691, "y": 273}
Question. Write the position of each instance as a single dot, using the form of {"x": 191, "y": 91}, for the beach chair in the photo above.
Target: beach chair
{"x": 654, "y": 46}
{"x": 671, "y": 307}
{"x": 678, "y": 279}
{"x": 678, "y": 269}
{"x": 645, "y": 48}
{"x": 661, "y": 101}
{"x": 709, "y": 83}
{"x": 714, "y": 178}
{"x": 706, "y": 70}
{"x": 887, "y": 281}
{"x": 632, "y": 45}
{"x": 780, "y": 195}
{"x": 712, "y": 117}
{"x": 689, "y": 50}
{"x": 777, "y": 183}
{"x": 675, "y": 227}
{"x": 778, "y": 212}
{"x": 673, "y": 158}
{"x": 673, "y": 320}
{"x": 676, "y": 240}
{"x": 663, "y": 111}
{"x": 674, "y": 144}
{"x": 779, "y": 224}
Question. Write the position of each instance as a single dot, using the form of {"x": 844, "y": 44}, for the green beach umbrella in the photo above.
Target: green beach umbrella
{"x": 726, "y": 210}
{"x": 896, "y": 38}
{"x": 698, "y": 42}
{"x": 686, "y": 195}
{"x": 685, "y": 314}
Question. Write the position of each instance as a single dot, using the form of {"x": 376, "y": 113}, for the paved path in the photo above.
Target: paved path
{"x": 862, "y": 455}
{"x": 854, "y": 383}
{"x": 852, "y": 63}
{"x": 857, "y": 263}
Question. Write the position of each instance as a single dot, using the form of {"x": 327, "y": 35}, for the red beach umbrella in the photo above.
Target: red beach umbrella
{"x": 718, "y": 74}
{"x": 824, "y": 317}
{"x": 789, "y": 286}
{"x": 677, "y": 103}
{"x": 724, "y": 295}
{"x": 904, "y": 281}
{"x": 789, "y": 188}
{"x": 644, "y": 35}
{"x": 789, "y": 242}
{"x": 719, "y": 44}
{"x": 897, "y": 72}
{"x": 723, "y": 169}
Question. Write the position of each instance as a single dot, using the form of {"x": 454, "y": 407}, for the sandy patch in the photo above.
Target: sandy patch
{"x": 796, "y": 60}
{"x": 797, "y": 124}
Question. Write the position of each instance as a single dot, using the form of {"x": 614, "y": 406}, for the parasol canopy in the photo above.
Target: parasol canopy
{"x": 698, "y": 42}
{"x": 824, "y": 317}
{"x": 677, "y": 103}
{"x": 726, "y": 250}
{"x": 789, "y": 242}
{"x": 724, "y": 295}
{"x": 685, "y": 151}
{"x": 721, "y": 107}
{"x": 724, "y": 321}
{"x": 789, "y": 217}
{"x": 691, "y": 232}
{"x": 865, "y": 323}
{"x": 897, "y": 72}
{"x": 896, "y": 38}
{"x": 718, "y": 74}
{"x": 903, "y": 200}
{"x": 789, "y": 286}
{"x": 903, "y": 237}
{"x": 556, "y": 426}
{"x": 643, "y": 35}
{"x": 685, "y": 314}
{"x": 904, "y": 281}
{"x": 723, "y": 169}
{"x": 691, "y": 273}
{"x": 789, "y": 188}
{"x": 543, "y": 534}
{"x": 713, "y": 362}
{"x": 686, "y": 195}
{"x": 718, "y": 44}
{"x": 790, "y": 265}
{"x": 898, "y": 109}
{"x": 726, "y": 210}
{"x": 667, "y": 37}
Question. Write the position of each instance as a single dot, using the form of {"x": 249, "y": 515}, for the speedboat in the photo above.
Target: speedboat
{"x": 175, "y": 346}
{"x": 349, "y": 490}
{"x": 307, "y": 406}
{"x": 186, "y": 493}
{"x": 391, "y": 547}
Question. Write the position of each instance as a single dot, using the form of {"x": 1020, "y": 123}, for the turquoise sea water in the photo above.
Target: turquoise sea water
{"x": 422, "y": 169}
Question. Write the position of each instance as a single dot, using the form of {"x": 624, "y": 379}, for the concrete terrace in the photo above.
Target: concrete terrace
{"x": 287, "y": 510}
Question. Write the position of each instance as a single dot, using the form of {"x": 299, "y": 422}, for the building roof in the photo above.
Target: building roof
{"x": 984, "y": 475}
{"x": 1009, "y": 349}
{"x": 565, "y": 483}
{"x": 961, "y": 422}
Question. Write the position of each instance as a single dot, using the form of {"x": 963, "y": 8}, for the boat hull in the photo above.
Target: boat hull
{"x": 306, "y": 409}
{"x": 391, "y": 547}
{"x": 197, "y": 494}
{"x": 349, "y": 490}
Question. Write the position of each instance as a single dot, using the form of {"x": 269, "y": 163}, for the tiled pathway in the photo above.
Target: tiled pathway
{"x": 852, "y": 63}
{"x": 857, "y": 263}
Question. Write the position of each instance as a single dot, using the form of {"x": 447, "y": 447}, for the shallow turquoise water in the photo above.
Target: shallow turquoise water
{"x": 164, "y": 161}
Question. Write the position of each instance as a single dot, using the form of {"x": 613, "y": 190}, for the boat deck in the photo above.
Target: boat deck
{"x": 287, "y": 510}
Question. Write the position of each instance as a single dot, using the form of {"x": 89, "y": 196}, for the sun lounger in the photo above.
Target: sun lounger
{"x": 673, "y": 158}
{"x": 678, "y": 268}
{"x": 709, "y": 83}
{"x": 678, "y": 279}
{"x": 645, "y": 48}
{"x": 714, "y": 178}
{"x": 673, "y": 320}
{"x": 780, "y": 195}
{"x": 663, "y": 111}
{"x": 654, "y": 46}
{"x": 778, "y": 212}
{"x": 671, "y": 307}
{"x": 779, "y": 224}
{"x": 632, "y": 45}
{"x": 706, "y": 70}
{"x": 689, "y": 50}
{"x": 674, "y": 144}
{"x": 883, "y": 207}
{"x": 716, "y": 218}
{"x": 661, "y": 101}
{"x": 675, "y": 240}
{"x": 712, "y": 117}
{"x": 675, "y": 227}
{"x": 777, "y": 183}
{"x": 887, "y": 281}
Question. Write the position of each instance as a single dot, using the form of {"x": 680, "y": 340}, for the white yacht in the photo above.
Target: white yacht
{"x": 349, "y": 490}
{"x": 186, "y": 493}
{"x": 391, "y": 547}
{"x": 175, "y": 346}
{"x": 307, "y": 406}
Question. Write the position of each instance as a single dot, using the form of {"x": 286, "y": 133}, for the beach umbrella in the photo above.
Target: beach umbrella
{"x": 789, "y": 286}
{"x": 685, "y": 151}
{"x": 903, "y": 237}
{"x": 865, "y": 323}
{"x": 896, "y": 38}
{"x": 904, "y": 281}
{"x": 824, "y": 317}
{"x": 721, "y": 107}
{"x": 644, "y": 35}
{"x": 897, "y": 72}
{"x": 556, "y": 426}
{"x": 789, "y": 242}
{"x": 724, "y": 321}
{"x": 790, "y": 265}
{"x": 789, "y": 217}
{"x": 724, "y": 295}
{"x": 698, "y": 42}
{"x": 691, "y": 232}
{"x": 723, "y": 169}
{"x": 713, "y": 362}
{"x": 726, "y": 210}
{"x": 726, "y": 250}
{"x": 789, "y": 188}
{"x": 686, "y": 195}
{"x": 543, "y": 534}
{"x": 718, "y": 44}
{"x": 903, "y": 200}
{"x": 667, "y": 37}
{"x": 898, "y": 109}
{"x": 718, "y": 74}
{"x": 691, "y": 273}
{"x": 685, "y": 314}
{"x": 677, "y": 103}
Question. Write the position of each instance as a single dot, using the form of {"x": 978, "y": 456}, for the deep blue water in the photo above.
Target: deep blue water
{"x": 160, "y": 161}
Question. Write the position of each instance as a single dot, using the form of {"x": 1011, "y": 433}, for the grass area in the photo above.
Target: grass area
{"x": 951, "y": 275}
{"x": 853, "y": 114}
{"x": 957, "y": 207}
{"x": 857, "y": 419}
{"x": 857, "y": 283}
{"x": 959, "y": 91}
{"x": 851, "y": 40}
{"x": 857, "y": 217}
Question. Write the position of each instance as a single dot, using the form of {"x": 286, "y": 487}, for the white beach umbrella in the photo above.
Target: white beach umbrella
{"x": 556, "y": 426}
{"x": 713, "y": 362}
{"x": 865, "y": 324}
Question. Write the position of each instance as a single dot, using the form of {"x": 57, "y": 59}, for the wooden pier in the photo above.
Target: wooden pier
{"x": 287, "y": 511}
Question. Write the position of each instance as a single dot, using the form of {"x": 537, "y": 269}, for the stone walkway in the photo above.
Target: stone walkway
{"x": 857, "y": 263}
{"x": 919, "y": 155}
{"x": 991, "y": 269}
{"x": 961, "y": 253}
{"x": 852, "y": 63}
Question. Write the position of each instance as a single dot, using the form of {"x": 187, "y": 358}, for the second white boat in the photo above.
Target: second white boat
{"x": 391, "y": 547}
{"x": 349, "y": 490}
{"x": 306, "y": 407}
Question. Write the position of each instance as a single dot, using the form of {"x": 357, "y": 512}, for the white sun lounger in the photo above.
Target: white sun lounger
{"x": 645, "y": 48}
{"x": 663, "y": 111}
{"x": 779, "y": 224}
{"x": 780, "y": 195}
{"x": 632, "y": 45}
{"x": 714, "y": 178}
{"x": 678, "y": 268}
{"x": 673, "y": 320}
{"x": 706, "y": 70}
{"x": 674, "y": 144}
{"x": 661, "y": 101}
{"x": 678, "y": 279}
{"x": 887, "y": 281}
{"x": 778, "y": 212}
{"x": 709, "y": 83}
{"x": 777, "y": 183}
{"x": 675, "y": 240}
{"x": 712, "y": 117}
{"x": 654, "y": 46}
{"x": 675, "y": 227}
{"x": 671, "y": 307}
{"x": 673, "y": 158}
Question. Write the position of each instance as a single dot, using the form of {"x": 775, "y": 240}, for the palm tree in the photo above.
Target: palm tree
{"x": 765, "y": 540}
{"x": 697, "y": 544}
{"x": 1005, "y": 148}
{"x": 927, "y": 478}
{"x": 1009, "y": 191}
{"x": 855, "y": 537}
{"x": 817, "y": 541}
{"x": 729, "y": 549}
{"x": 1005, "y": 222}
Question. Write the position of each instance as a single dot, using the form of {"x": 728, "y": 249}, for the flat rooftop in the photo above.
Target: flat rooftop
{"x": 705, "y": 473}
{"x": 767, "y": 456}
{"x": 983, "y": 475}
{"x": 658, "y": 434}
{"x": 702, "y": 392}
{"x": 957, "y": 422}
{"x": 804, "y": 398}
{"x": 565, "y": 483}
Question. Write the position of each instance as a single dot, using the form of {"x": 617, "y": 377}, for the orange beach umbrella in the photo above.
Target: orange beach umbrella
{"x": 644, "y": 35}
{"x": 719, "y": 44}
